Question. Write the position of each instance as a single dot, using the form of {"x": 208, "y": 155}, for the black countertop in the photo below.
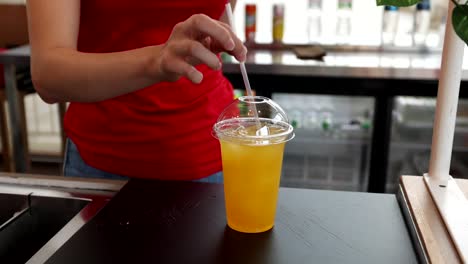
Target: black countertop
{"x": 184, "y": 222}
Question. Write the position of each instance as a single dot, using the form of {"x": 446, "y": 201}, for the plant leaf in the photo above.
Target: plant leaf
{"x": 397, "y": 2}
{"x": 460, "y": 21}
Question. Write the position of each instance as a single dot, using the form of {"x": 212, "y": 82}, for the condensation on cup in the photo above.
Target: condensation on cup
{"x": 278, "y": 23}
{"x": 250, "y": 22}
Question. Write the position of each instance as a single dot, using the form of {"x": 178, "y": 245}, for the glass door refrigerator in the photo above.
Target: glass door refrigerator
{"x": 332, "y": 143}
{"x": 411, "y": 139}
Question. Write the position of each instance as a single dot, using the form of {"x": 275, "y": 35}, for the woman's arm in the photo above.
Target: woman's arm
{"x": 61, "y": 73}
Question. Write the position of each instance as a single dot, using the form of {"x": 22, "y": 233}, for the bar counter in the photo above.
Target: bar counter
{"x": 360, "y": 72}
{"x": 150, "y": 221}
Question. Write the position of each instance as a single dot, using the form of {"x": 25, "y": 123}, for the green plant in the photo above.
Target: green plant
{"x": 459, "y": 15}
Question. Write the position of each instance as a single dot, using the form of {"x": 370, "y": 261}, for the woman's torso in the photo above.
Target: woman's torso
{"x": 162, "y": 131}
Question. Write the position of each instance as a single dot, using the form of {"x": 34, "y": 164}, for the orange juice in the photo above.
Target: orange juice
{"x": 252, "y": 132}
{"x": 251, "y": 183}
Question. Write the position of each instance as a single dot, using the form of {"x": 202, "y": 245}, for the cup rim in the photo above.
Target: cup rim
{"x": 287, "y": 134}
{"x": 257, "y": 99}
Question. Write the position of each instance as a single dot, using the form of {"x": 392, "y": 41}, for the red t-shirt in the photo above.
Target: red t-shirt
{"x": 162, "y": 131}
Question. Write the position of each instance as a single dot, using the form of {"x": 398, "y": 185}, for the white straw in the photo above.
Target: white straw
{"x": 246, "y": 79}
{"x": 230, "y": 17}
{"x": 242, "y": 66}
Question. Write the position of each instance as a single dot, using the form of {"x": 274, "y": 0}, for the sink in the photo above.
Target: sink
{"x": 37, "y": 221}
{"x": 10, "y": 204}
{"x": 33, "y": 226}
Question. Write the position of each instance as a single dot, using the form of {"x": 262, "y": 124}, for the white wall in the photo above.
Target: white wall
{"x": 365, "y": 26}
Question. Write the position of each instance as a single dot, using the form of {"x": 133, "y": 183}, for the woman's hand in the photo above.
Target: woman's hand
{"x": 194, "y": 41}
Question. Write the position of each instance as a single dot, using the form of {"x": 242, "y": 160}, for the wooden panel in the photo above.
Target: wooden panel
{"x": 13, "y": 25}
{"x": 463, "y": 185}
{"x": 434, "y": 236}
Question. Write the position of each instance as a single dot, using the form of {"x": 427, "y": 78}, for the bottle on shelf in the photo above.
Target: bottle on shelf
{"x": 422, "y": 20}
{"x": 250, "y": 22}
{"x": 311, "y": 120}
{"x": 326, "y": 117}
{"x": 366, "y": 122}
{"x": 314, "y": 21}
{"x": 278, "y": 23}
{"x": 290, "y": 106}
{"x": 343, "y": 21}
{"x": 296, "y": 117}
{"x": 389, "y": 25}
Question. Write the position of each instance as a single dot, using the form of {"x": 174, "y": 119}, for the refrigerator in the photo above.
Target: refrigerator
{"x": 411, "y": 139}
{"x": 332, "y": 141}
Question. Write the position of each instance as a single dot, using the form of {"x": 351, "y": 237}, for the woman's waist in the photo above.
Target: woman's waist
{"x": 165, "y": 148}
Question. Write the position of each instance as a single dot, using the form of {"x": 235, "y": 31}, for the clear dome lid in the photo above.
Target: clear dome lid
{"x": 253, "y": 120}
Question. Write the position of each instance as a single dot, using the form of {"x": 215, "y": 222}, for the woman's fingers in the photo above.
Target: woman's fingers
{"x": 197, "y": 53}
{"x": 195, "y": 41}
{"x": 201, "y": 26}
{"x": 240, "y": 51}
{"x": 180, "y": 68}
{"x": 186, "y": 54}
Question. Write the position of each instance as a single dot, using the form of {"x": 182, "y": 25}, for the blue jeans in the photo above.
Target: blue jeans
{"x": 74, "y": 166}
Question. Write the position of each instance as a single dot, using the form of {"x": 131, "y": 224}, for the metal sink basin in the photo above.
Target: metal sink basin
{"x": 34, "y": 224}
{"x": 11, "y": 204}
{"x": 35, "y": 221}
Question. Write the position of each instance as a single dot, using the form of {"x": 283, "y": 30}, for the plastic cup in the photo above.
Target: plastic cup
{"x": 252, "y": 155}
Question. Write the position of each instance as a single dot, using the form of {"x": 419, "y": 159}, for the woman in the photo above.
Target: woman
{"x": 144, "y": 81}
